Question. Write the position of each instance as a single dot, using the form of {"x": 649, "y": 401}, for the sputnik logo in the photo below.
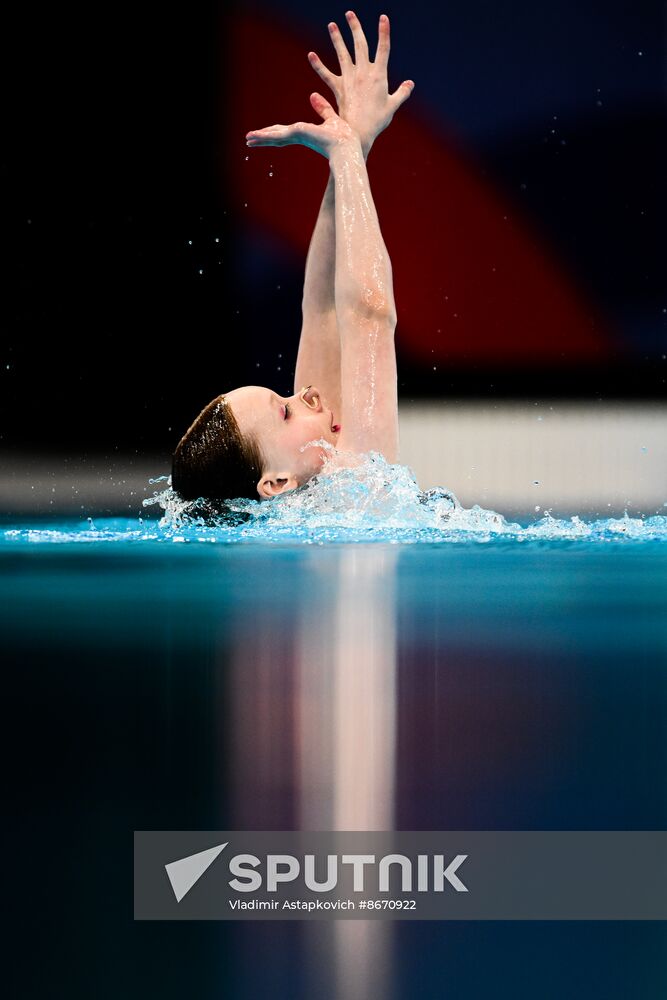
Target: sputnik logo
{"x": 186, "y": 871}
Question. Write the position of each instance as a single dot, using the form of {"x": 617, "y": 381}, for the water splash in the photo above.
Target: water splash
{"x": 370, "y": 500}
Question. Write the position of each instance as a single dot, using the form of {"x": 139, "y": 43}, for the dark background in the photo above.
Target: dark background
{"x": 125, "y": 141}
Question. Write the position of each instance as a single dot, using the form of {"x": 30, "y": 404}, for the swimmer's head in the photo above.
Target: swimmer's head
{"x": 252, "y": 442}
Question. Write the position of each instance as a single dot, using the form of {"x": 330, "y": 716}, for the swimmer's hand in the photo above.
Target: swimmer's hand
{"x": 361, "y": 90}
{"x": 333, "y": 132}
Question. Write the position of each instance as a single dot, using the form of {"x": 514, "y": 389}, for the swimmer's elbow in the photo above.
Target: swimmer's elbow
{"x": 364, "y": 319}
{"x": 376, "y": 303}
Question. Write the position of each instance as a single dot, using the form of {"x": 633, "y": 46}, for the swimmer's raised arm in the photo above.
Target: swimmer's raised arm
{"x": 363, "y": 286}
{"x": 363, "y": 99}
{"x": 365, "y": 309}
{"x": 318, "y": 356}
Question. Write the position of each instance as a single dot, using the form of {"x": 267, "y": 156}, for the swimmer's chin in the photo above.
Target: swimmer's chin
{"x": 319, "y": 443}
{"x": 330, "y": 443}
{"x": 336, "y": 455}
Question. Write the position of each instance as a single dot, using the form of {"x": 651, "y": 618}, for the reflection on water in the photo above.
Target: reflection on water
{"x": 313, "y": 735}
{"x": 325, "y": 687}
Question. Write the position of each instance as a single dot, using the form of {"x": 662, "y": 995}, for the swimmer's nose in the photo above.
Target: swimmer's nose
{"x": 310, "y": 394}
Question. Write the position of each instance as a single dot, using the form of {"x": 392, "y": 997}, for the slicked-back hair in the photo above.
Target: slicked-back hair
{"x": 214, "y": 460}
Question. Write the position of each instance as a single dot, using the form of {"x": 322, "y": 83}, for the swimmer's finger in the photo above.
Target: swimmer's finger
{"x": 360, "y": 43}
{"x": 279, "y": 135}
{"x": 402, "y": 93}
{"x": 326, "y": 75}
{"x": 384, "y": 42}
{"x": 322, "y": 106}
{"x": 340, "y": 46}
{"x": 274, "y": 135}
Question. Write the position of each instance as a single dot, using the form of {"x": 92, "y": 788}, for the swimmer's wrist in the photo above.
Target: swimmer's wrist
{"x": 344, "y": 148}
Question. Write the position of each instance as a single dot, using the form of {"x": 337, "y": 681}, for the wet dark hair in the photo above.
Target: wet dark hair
{"x": 214, "y": 460}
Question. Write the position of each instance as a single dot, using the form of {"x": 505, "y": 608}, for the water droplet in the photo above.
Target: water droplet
{"x": 190, "y": 243}
{"x": 536, "y": 482}
{"x": 247, "y": 157}
{"x": 217, "y": 239}
{"x": 599, "y": 103}
{"x": 257, "y": 364}
{"x": 640, "y": 53}
{"x": 538, "y": 508}
{"x": 435, "y": 368}
{"x": 270, "y": 173}
{"x": 201, "y": 271}
{"x": 540, "y": 418}
{"x": 644, "y": 449}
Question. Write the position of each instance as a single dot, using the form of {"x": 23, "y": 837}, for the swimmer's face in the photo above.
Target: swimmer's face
{"x": 284, "y": 427}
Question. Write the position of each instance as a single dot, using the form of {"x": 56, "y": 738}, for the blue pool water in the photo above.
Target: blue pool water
{"x": 361, "y": 657}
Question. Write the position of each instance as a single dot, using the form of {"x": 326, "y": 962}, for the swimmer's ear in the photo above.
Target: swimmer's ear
{"x": 271, "y": 485}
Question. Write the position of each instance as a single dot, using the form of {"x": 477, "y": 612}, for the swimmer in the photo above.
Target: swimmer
{"x": 253, "y": 442}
